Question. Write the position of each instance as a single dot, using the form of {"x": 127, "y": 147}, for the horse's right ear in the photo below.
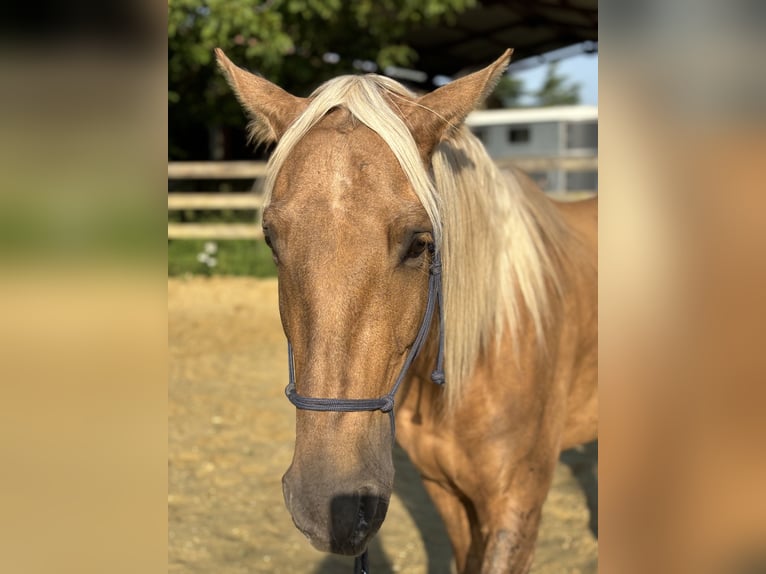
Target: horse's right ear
{"x": 271, "y": 108}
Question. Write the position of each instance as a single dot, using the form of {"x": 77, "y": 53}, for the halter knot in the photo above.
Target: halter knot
{"x": 438, "y": 377}
{"x": 387, "y": 404}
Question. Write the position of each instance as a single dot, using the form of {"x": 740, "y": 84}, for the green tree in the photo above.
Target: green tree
{"x": 507, "y": 94}
{"x": 556, "y": 91}
{"x": 285, "y": 41}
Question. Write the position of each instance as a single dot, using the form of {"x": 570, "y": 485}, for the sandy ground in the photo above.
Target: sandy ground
{"x": 231, "y": 439}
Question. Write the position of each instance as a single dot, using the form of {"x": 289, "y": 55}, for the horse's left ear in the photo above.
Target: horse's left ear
{"x": 443, "y": 110}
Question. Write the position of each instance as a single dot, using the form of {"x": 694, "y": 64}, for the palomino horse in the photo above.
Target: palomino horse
{"x": 367, "y": 187}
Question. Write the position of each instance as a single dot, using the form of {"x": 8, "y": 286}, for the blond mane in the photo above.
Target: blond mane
{"x": 500, "y": 243}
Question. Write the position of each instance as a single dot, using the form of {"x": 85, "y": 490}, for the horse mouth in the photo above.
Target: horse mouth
{"x": 369, "y": 517}
{"x": 352, "y": 522}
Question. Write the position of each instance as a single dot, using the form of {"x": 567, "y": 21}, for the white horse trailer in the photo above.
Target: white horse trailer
{"x": 560, "y": 131}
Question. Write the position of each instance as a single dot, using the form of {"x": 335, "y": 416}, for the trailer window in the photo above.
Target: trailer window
{"x": 518, "y": 135}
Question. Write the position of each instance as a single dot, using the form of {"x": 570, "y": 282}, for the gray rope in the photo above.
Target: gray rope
{"x": 386, "y": 402}
{"x": 361, "y": 564}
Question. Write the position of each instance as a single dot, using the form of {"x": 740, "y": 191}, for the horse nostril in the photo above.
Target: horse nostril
{"x": 368, "y": 505}
{"x": 355, "y": 519}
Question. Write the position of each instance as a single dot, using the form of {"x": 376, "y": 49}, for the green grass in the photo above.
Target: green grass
{"x": 233, "y": 257}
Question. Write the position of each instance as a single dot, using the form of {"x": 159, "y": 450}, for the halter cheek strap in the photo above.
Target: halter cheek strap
{"x": 386, "y": 402}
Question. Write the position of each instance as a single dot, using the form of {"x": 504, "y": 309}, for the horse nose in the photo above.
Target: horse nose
{"x": 355, "y": 519}
{"x": 332, "y": 520}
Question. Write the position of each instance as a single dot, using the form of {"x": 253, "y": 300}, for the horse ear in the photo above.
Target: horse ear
{"x": 271, "y": 108}
{"x": 444, "y": 110}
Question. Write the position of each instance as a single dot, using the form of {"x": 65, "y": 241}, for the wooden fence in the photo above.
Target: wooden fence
{"x": 253, "y": 170}
{"x": 221, "y": 170}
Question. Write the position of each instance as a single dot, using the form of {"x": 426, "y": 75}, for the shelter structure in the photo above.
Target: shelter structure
{"x": 530, "y": 27}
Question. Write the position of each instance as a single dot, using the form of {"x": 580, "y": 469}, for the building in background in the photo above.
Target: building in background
{"x": 551, "y": 132}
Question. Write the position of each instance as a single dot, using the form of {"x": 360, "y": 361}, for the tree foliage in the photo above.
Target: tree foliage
{"x": 285, "y": 41}
{"x": 556, "y": 91}
{"x": 507, "y": 93}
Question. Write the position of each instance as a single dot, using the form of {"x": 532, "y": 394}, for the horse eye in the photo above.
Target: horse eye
{"x": 267, "y": 239}
{"x": 417, "y": 247}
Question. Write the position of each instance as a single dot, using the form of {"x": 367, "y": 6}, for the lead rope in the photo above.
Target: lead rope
{"x": 361, "y": 563}
{"x": 386, "y": 402}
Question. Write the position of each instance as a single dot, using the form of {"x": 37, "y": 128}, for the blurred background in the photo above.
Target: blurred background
{"x": 543, "y": 116}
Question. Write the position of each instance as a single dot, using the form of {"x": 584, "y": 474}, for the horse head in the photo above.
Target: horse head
{"x": 353, "y": 232}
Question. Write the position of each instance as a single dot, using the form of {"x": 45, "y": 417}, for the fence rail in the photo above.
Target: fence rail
{"x": 214, "y": 231}
{"x": 181, "y": 200}
{"x": 216, "y": 169}
{"x": 531, "y": 164}
{"x": 227, "y": 170}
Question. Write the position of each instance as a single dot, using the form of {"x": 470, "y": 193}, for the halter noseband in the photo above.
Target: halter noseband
{"x": 386, "y": 402}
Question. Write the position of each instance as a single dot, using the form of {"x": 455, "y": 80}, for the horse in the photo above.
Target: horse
{"x": 377, "y": 201}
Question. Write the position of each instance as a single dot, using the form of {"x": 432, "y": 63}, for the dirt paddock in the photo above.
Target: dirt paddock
{"x": 231, "y": 439}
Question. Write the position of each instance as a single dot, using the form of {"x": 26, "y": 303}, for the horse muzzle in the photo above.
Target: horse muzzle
{"x": 341, "y": 522}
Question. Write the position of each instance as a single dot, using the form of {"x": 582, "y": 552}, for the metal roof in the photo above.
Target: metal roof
{"x": 481, "y": 34}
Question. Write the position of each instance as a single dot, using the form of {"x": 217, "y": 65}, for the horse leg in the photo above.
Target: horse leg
{"x": 510, "y": 545}
{"x": 456, "y": 515}
{"x": 511, "y": 520}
